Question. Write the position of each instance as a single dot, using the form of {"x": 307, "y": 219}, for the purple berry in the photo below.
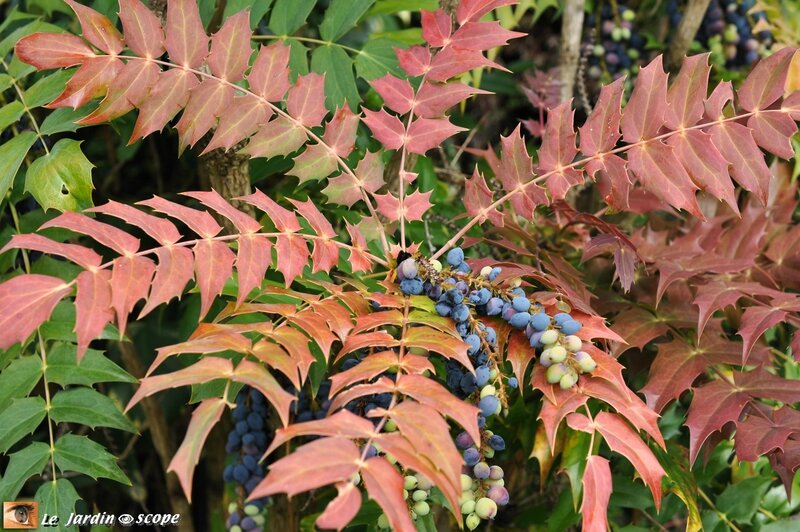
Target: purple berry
{"x": 463, "y": 440}
{"x": 499, "y": 495}
{"x": 471, "y": 456}
{"x": 481, "y": 471}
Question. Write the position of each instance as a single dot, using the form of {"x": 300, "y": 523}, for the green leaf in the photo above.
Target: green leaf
{"x": 80, "y": 454}
{"x": 377, "y": 58}
{"x": 19, "y": 419}
{"x": 288, "y": 15}
{"x": 573, "y": 461}
{"x": 682, "y": 482}
{"x": 298, "y": 59}
{"x": 5, "y": 81}
{"x": 341, "y": 16}
{"x": 47, "y": 89}
{"x": 12, "y": 153}
{"x": 388, "y": 7}
{"x": 49, "y": 6}
{"x": 740, "y": 501}
{"x": 62, "y": 179}
{"x": 58, "y": 497}
{"x": 88, "y": 407}
{"x": 340, "y": 83}
{"x": 23, "y": 465}
{"x": 18, "y": 379}
{"x": 63, "y": 119}
{"x": 258, "y": 8}
{"x": 63, "y": 369}
{"x": 36, "y": 26}
{"x": 10, "y": 113}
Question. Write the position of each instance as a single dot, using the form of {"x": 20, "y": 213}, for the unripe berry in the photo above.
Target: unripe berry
{"x": 408, "y": 269}
{"x": 383, "y": 521}
{"x": 390, "y": 426}
{"x": 468, "y": 507}
{"x": 466, "y": 496}
{"x": 485, "y": 271}
{"x": 555, "y": 372}
{"x": 410, "y": 482}
{"x": 496, "y": 472}
{"x": 405, "y": 494}
{"x": 466, "y": 482}
{"x": 437, "y": 266}
{"x": 419, "y": 495}
{"x": 422, "y": 508}
{"x": 499, "y": 495}
{"x": 568, "y": 380}
{"x": 572, "y": 343}
{"x": 481, "y": 470}
{"x": 486, "y": 508}
{"x": 472, "y": 521}
{"x": 488, "y": 390}
{"x": 557, "y": 354}
{"x": 424, "y": 483}
{"x": 549, "y": 337}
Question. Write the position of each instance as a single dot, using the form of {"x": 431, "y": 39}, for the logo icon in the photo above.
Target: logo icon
{"x": 125, "y": 519}
{"x": 20, "y": 515}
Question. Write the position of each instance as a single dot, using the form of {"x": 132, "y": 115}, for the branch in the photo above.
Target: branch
{"x": 685, "y": 33}
{"x": 569, "y": 54}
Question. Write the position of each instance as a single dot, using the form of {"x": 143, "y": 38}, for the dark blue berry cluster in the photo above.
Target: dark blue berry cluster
{"x": 613, "y": 45}
{"x": 246, "y": 443}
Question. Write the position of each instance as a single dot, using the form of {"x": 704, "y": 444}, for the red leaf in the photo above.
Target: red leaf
{"x": 720, "y": 96}
{"x": 359, "y": 262}
{"x": 478, "y": 197}
{"x": 413, "y": 208}
{"x": 615, "y": 182}
{"x": 764, "y": 85}
{"x": 385, "y": 486}
{"x": 277, "y": 137}
{"x": 26, "y": 301}
{"x": 735, "y": 142}
{"x": 711, "y": 297}
{"x": 369, "y": 368}
{"x": 388, "y": 129}
{"x": 436, "y": 27}
{"x": 686, "y": 95}
{"x": 175, "y": 269}
{"x": 644, "y": 114}
{"x": 245, "y": 116}
{"x": 204, "y": 418}
{"x": 662, "y": 174}
{"x": 558, "y": 150}
{"x": 204, "y": 370}
{"x": 553, "y": 412}
{"x": 755, "y": 321}
{"x": 757, "y": 436}
{"x": 207, "y": 102}
{"x": 187, "y": 42}
{"x": 243, "y": 222}
{"x": 340, "y": 131}
{"x": 230, "y": 48}
{"x": 596, "y": 493}
{"x": 483, "y": 35}
{"x": 342, "y": 423}
{"x": 292, "y": 253}
{"x": 306, "y": 100}
{"x": 89, "y": 82}
{"x": 316, "y": 162}
{"x": 142, "y": 28}
{"x": 600, "y": 132}
{"x": 341, "y": 510}
{"x": 773, "y": 131}
{"x": 163, "y": 231}
{"x": 130, "y": 281}
{"x": 397, "y": 93}
{"x": 296, "y": 344}
{"x": 52, "y": 50}
{"x": 415, "y": 60}
{"x": 256, "y": 376}
{"x": 252, "y": 260}
{"x": 97, "y": 29}
{"x": 82, "y": 256}
{"x": 275, "y": 357}
{"x": 200, "y": 222}
{"x": 269, "y": 76}
{"x": 433, "y": 99}
{"x": 325, "y": 254}
{"x": 369, "y": 177}
{"x": 108, "y": 235}
{"x": 474, "y": 9}
{"x": 130, "y": 88}
{"x": 514, "y": 171}
{"x": 451, "y": 62}
{"x": 310, "y": 466}
{"x": 168, "y": 96}
{"x": 283, "y": 219}
{"x": 705, "y": 164}
{"x": 213, "y": 265}
{"x": 427, "y": 133}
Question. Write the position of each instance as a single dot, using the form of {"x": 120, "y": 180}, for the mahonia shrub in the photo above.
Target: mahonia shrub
{"x": 384, "y": 364}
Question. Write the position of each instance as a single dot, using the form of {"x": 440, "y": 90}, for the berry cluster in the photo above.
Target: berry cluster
{"x": 308, "y": 408}
{"x": 416, "y": 491}
{"x": 482, "y": 486}
{"x": 246, "y": 443}
{"x": 616, "y": 47}
{"x": 727, "y": 31}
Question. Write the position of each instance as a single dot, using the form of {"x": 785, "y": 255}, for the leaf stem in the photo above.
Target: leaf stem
{"x": 718, "y": 512}
{"x": 321, "y": 42}
{"x": 21, "y": 96}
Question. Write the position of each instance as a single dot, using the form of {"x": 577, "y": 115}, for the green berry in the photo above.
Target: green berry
{"x": 626, "y": 34}
{"x": 557, "y": 354}
{"x": 472, "y": 521}
{"x": 232, "y": 507}
{"x": 235, "y": 528}
{"x": 568, "y": 380}
{"x": 251, "y": 510}
{"x": 467, "y": 507}
{"x": 410, "y": 482}
{"x": 405, "y": 493}
{"x": 485, "y": 271}
{"x": 422, "y": 508}
{"x": 390, "y": 426}
{"x": 437, "y": 266}
{"x": 572, "y": 343}
{"x": 259, "y": 520}
{"x": 423, "y": 483}
{"x": 550, "y": 336}
{"x": 555, "y": 372}
{"x": 383, "y": 521}
{"x": 616, "y": 34}
{"x": 486, "y": 508}
{"x": 488, "y": 390}
{"x": 419, "y": 495}
{"x": 628, "y": 15}
{"x": 599, "y": 50}
{"x": 466, "y": 482}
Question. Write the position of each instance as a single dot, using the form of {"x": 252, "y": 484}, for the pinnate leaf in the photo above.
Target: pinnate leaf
{"x": 387, "y": 128}
{"x": 436, "y": 27}
{"x": 306, "y": 101}
{"x": 90, "y": 81}
{"x": 80, "y": 454}
{"x": 646, "y": 109}
{"x": 230, "y": 48}
{"x": 764, "y": 85}
{"x": 385, "y": 486}
{"x": 397, "y": 93}
{"x": 413, "y": 207}
{"x": 483, "y": 35}
{"x": 475, "y": 9}
{"x": 342, "y": 509}
{"x": 168, "y": 96}
{"x": 269, "y": 76}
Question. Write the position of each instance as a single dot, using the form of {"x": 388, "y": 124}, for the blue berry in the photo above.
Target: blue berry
{"x": 468, "y": 383}
{"x": 463, "y": 440}
{"x": 240, "y": 473}
{"x": 488, "y": 405}
{"x": 482, "y": 375}
{"x": 472, "y": 456}
{"x": 513, "y": 383}
{"x": 497, "y": 442}
{"x": 481, "y": 421}
{"x": 540, "y": 321}
{"x": 227, "y": 473}
{"x": 411, "y": 287}
{"x": 443, "y": 309}
{"x": 463, "y": 268}
{"x": 491, "y": 335}
{"x": 494, "y": 273}
{"x": 242, "y": 427}
{"x": 255, "y": 421}
{"x": 481, "y": 470}
{"x": 521, "y": 304}
{"x": 460, "y": 313}
{"x": 455, "y": 257}
{"x": 561, "y": 317}
{"x": 570, "y": 327}
{"x": 454, "y": 296}
{"x": 474, "y": 342}
{"x": 520, "y": 320}
{"x": 494, "y": 306}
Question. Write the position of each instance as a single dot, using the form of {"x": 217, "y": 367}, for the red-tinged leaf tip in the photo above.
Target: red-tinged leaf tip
{"x": 80, "y": 255}
{"x": 128, "y": 89}
{"x": 213, "y": 266}
{"x": 204, "y": 418}
{"x": 754, "y": 322}
{"x": 175, "y": 269}
{"x": 737, "y": 145}
{"x": 773, "y": 131}
{"x": 662, "y": 174}
{"x": 413, "y": 207}
{"x": 256, "y": 376}
{"x": 483, "y": 35}
{"x": 433, "y": 394}
{"x": 644, "y": 114}
{"x": 385, "y": 486}
{"x": 186, "y": 42}
{"x": 475, "y": 9}
{"x": 600, "y": 132}
{"x": 306, "y": 100}
{"x": 163, "y": 231}
{"x": 478, "y": 197}
{"x": 269, "y": 76}
{"x": 397, "y": 93}
{"x": 143, "y": 31}
{"x": 415, "y": 61}
{"x": 204, "y": 370}
{"x": 765, "y": 84}
{"x": 341, "y": 510}
{"x": 359, "y": 261}
{"x": 451, "y": 62}
{"x": 433, "y": 99}
{"x": 230, "y": 47}
{"x": 201, "y": 222}
{"x": 313, "y": 465}
{"x": 427, "y": 133}
{"x": 436, "y": 27}
{"x": 89, "y": 82}
{"x": 26, "y": 301}
{"x": 284, "y": 219}
{"x": 515, "y": 170}
{"x": 388, "y": 129}
{"x": 343, "y": 190}
{"x": 207, "y": 102}
{"x": 340, "y": 131}
{"x": 279, "y": 136}
{"x": 106, "y": 234}
{"x": 130, "y": 281}
{"x": 52, "y": 50}
{"x": 558, "y": 150}
{"x": 168, "y": 96}
{"x": 245, "y": 116}
{"x": 720, "y": 96}
{"x": 97, "y": 29}
{"x": 596, "y": 494}
{"x": 688, "y": 92}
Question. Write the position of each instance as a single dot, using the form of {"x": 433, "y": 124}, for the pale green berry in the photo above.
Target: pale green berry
{"x": 466, "y": 496}
{"x": 555, "y": 372}
{"x": 259, "y": 520}
{"x": 489, "y": 453}
{"x": 567, "y": 381}
{"x": 472, "y": 521}
{"x": 616, "y": 34}
{"x": 515, "y": 282}
{"x": 467, "y": 507}
{"x": 437, "y": 266}
{"x": 423, "y": 483}
{"x": 356, "y": 479}
{"x": 628, "y": 15}
{"x": 410, "y": 482}
{"x": 390, "y": 426}
{"x": 466, "y": 482}
{"x": 493, "y": 374}
{"x": 383, "y": 521}
{"x": 498, "y": 409}
{"x": 405, "y": 493}
{"x": 585, "y": 362}
{"x": 572, "y": 343}
{"x": 232, "y": 507}
{"x": 251, "y": 510}
{"x": 549, "y": 337}
{"x": 391, "y": 459}
{"x": 235, "y": 528}
{"x": 488, "y": 390}
{"x": 486, "y": 508}
{"x": 419, "y": 495}
{"x": 422, "y": 508}
{"x": 485, "y": 271}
